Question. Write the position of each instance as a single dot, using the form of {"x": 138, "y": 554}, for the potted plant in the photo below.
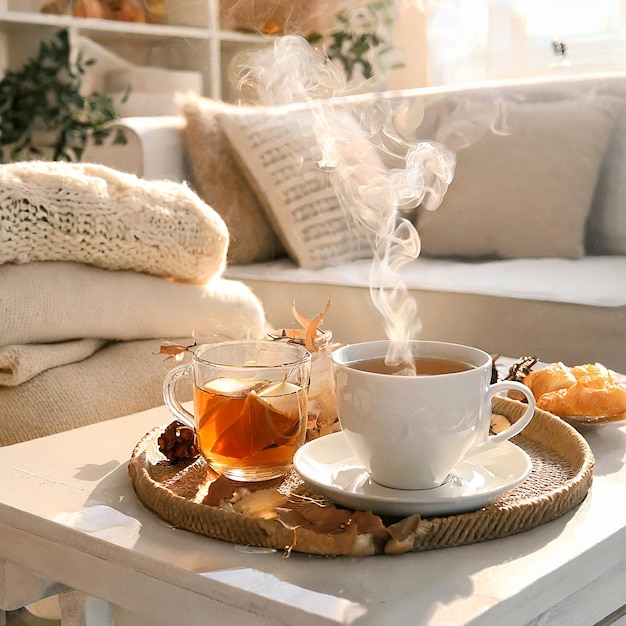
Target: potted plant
{"x": 359, "y": 40}
{"x": 43, "y": 113}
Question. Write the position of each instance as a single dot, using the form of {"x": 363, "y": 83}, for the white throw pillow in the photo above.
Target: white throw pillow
{"x": 278, "y": 150}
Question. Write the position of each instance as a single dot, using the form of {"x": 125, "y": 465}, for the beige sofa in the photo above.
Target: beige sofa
{"x": 525, "y": 255}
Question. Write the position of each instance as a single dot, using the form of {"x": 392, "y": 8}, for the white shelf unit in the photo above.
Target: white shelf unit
{"x": 190, "y": 40}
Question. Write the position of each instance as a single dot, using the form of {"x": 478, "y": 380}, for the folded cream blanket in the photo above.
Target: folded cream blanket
{"x": 121, "y": 378}
{"x": 20, "y": 363}
{"x": 54, "y": 313}
{"x": 59, "y": 301}
{"x": 57, "y": 211}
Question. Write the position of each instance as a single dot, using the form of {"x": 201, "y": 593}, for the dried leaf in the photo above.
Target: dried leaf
{"x": 222, "y": 489}
{"x": 311, "y": 335}
{"x": 261, "y": 503}
{"x": 303, "y": 321}
{"x": 404, "y": 534}
{"x": 370, "y": 523}
{"x": 345, "y": 541}
{"x": 311, "y": 327}
{"x": 252, "y": 498}
{"x": 521, "y": 368}
{"x": 494, "y": 369}
{"x": 174, "y": 351}
{"x": 312, "y": 516}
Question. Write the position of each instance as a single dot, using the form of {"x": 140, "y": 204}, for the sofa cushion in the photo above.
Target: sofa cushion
{"x": 570, "y": 310}
{"x": 218, "y": 180}
{"x": 525, "y": 188}
{"x": 606, "y": 229}
{"x": 278, "y": 150}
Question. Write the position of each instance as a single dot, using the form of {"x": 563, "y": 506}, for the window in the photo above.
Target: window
{"x": 490, "y": 39}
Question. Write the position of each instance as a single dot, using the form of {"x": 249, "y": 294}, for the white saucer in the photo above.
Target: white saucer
{"x": 328, "y": 465}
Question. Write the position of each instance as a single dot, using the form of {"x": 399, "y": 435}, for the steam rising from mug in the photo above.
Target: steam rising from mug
{"x": 373, "y": 196}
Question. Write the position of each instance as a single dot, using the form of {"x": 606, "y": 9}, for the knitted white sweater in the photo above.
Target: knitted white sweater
{"x": 57, "y": 211}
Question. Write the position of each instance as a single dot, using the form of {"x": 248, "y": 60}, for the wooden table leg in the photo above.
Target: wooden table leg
{"x": 78, "y": 609}
{"x": 20, "y": 586}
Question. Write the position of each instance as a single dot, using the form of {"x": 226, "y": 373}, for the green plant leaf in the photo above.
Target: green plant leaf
{"x": 45, "y": 94}
{"x": 352, "y": 49}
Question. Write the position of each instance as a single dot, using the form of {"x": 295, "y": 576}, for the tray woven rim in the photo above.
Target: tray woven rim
{"x": 550, "y": 442}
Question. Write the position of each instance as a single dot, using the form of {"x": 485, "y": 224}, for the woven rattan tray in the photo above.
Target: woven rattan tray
{"x": 287, "y": 515}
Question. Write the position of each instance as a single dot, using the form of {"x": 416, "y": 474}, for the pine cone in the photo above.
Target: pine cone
{"x": 178, "y": 442}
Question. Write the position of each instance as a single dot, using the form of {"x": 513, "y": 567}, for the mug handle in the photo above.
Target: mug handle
{"x": 169, "y": 394}
{"x": 523, "y": 421}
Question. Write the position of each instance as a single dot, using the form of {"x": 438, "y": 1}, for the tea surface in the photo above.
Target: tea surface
{"x": 424, "y": 366}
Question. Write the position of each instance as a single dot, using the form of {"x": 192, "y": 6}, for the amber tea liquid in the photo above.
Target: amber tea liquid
{"x": 250, "y": 428}
{"x": 424, "y": 366}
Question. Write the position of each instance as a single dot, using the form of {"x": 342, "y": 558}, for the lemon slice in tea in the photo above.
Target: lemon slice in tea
{"x": 233, "y": 387}
{"x": 269, "y": 416}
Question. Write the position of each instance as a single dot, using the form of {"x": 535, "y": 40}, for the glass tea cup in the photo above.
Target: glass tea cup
{"x": 250, "y": 405}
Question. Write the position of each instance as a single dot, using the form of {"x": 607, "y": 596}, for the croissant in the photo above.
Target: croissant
{"x": 552, "y": 378}
{"x": 589, "y": 371}
{"x": 593, "y": 397}
{"x": 583, "y": 390}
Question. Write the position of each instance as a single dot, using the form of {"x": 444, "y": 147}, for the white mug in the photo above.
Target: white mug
{"x": 410, "y": 431}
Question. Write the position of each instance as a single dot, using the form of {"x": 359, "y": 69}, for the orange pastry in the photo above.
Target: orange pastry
{"x": 583, "y": 390}
{"x": 552, "y": 378}
{"x": 593, "y": 397}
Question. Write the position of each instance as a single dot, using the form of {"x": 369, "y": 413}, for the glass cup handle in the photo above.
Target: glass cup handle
{"x": 523, "y": 421}
{"x": 169, "y": 394}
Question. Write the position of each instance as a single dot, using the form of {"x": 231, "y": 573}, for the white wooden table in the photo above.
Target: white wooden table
{"x": 69, "y": 520}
